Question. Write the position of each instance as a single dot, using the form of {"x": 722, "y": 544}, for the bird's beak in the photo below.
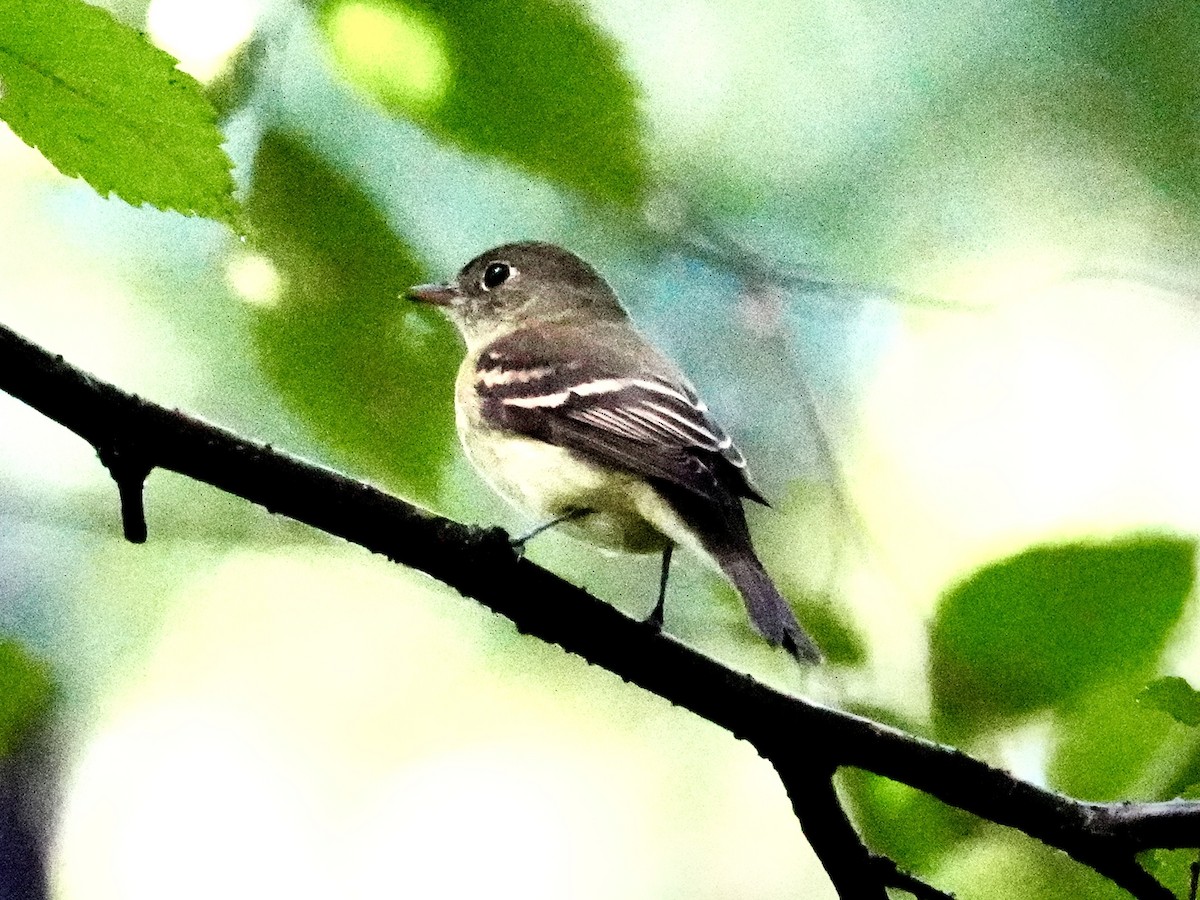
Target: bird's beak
{"x": 435, "y": 294}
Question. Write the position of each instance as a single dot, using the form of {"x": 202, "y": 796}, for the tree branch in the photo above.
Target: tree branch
{"x": 481, "y": 564}
{"x": 889, "y": 873}
{"x": 847, "y": 861}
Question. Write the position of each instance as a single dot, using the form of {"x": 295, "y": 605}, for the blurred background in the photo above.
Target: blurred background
{"x": 934, "y": 267}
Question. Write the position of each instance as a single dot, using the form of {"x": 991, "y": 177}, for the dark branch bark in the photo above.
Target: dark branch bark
{"x": 133, "y": 436}
{"x": 889, "y": 873}
{"x": 847, "y": 862}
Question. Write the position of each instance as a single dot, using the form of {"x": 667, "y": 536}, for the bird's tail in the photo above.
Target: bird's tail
{"x": 720, "y": 524}
{"x": 769, "y": 613}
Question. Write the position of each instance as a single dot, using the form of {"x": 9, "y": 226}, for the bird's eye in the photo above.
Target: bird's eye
{"x": 496, "y": 274}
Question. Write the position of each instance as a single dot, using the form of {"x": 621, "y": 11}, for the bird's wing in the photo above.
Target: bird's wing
{"x": 606, "y": 394}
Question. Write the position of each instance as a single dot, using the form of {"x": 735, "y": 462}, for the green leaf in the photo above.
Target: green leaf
{"x": 1045, "y": 625}
{"x": 833, "y": 632}
{"x": 233, "y": 87}
{"x": 1109, "y": 746}
{"x": 1008, "y": 866}
{"x": 1173, "y": 868}
{"x": 1174, "y": 696}
{"x": 102, "y": 103}
{"x": 369, "y": 371}
{"x": 532, "y": 82}
{"x": 903, "y": 823}
{"x": 1146, "y": 55}
{"x": 25, "y": 694}
{"x": 1185, "y": 780}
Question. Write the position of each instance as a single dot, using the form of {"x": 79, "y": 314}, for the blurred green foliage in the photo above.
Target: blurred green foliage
{"x": 103, "y": 103}
{"x": 905, "y": 824}
{"x": 1172, "y": 867}
{"x": 371, "y": 372}
{"x": 26, "y": 692}
{"x": 834, "y": 633}
{"x": 532, "y": 82}
{"x": 1108, "y": 746}
{"x": 1174, "y": 696}
{"x": 1148, "y": 103}
{"x": 1040, "y": 628}
{"x": 1011, "y": 866}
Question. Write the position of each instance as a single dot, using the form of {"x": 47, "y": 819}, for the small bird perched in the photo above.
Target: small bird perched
{"x": 571, "y": 414}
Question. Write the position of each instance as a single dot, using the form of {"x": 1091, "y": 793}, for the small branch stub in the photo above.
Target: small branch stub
{"x": 129, "y": 470}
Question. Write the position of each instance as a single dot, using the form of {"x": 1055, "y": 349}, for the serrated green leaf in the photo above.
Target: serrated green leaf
{"x": 1043, "y": 626}
{"x": 26, "y": 691}
{"x": 371, "y": 372}
{"x": 102, "y": 103}
{"x": 532, "y": 82}
{"x": 1174, "y": 696}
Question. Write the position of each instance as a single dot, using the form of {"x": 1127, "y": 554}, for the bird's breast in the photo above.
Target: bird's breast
{"x": 547, "y": 481}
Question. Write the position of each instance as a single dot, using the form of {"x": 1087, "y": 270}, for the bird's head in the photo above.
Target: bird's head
{"x": 518, "y": 284}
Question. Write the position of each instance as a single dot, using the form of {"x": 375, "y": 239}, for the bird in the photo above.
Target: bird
{"x": 572, "y": 415}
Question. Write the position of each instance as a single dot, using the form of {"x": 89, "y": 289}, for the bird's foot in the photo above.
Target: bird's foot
{"x": 518, "y": 543}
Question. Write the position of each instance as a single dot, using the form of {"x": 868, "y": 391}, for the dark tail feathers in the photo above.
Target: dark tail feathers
{"x": 770, "y": 614}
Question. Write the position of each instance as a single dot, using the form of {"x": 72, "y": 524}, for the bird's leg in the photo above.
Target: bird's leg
{"x": 656, "y": 615}
{"x": 570, "y": 515}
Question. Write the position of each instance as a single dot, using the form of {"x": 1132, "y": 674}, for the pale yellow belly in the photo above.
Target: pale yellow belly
{"x": 548, "y": 481}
